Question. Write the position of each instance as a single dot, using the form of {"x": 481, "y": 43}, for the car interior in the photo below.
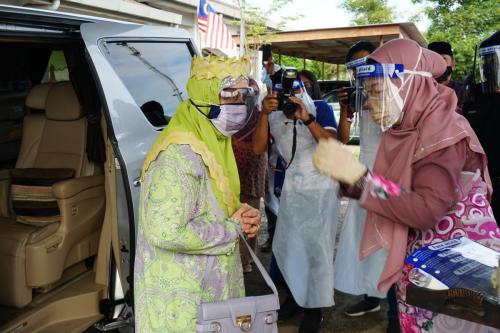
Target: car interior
{"x": 53, "y": 268}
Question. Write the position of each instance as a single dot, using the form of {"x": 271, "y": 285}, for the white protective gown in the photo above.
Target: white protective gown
{"x": 353, "y": 276}
{"x": 305, "y": 231}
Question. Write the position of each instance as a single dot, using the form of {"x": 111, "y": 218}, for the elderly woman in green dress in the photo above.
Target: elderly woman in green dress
{"x": 190, "y": 212}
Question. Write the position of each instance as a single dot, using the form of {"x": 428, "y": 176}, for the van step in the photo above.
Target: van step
{"x": 116, "y": 324}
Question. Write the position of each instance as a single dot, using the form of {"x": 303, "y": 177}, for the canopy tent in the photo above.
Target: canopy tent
{"x": 331, "y": 45}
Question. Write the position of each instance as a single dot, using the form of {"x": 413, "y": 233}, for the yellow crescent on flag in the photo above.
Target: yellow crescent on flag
{"x": 205, "y": 8}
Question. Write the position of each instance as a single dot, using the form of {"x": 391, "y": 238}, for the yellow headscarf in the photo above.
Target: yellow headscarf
{"x": 189, "y": 126}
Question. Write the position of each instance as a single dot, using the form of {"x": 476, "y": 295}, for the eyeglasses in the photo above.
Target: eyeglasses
{"x": 238, "y": 92}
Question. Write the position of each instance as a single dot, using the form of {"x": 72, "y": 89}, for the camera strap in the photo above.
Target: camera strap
{"x": 294, "y": 143}
{"x": 294, "y": 148}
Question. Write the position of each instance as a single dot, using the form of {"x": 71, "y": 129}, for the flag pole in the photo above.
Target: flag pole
{"x": 242, "y": 28}
{"x": 197, "y": 35}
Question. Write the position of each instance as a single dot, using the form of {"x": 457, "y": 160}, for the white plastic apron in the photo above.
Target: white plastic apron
{"x": 270, "y": 200}
{"x": 305, "y": 231}
{"x": 351, "y": 275}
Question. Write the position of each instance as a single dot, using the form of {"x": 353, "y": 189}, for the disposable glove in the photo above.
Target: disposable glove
{"x": 336, "y": 161}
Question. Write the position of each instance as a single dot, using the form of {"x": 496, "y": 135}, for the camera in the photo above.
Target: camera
{"x": 351, "y": 96}
{"x": 288, "y": 107}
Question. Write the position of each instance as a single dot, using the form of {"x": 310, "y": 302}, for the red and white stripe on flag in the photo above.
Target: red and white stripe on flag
{"x": 218, "y": 35}
{"x": 202, "y": 24}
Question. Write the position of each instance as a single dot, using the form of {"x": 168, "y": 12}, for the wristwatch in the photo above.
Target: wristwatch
{"x": 310, "y": 120}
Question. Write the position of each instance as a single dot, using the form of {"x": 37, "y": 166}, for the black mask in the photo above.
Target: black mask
{"x": 212, "y": 114}
{"x": 445, "y": 75}
{"x": 309, "y": 90}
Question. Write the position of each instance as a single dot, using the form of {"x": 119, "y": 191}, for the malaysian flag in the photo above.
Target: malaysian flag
{"x": 203, "y": 10}
{"x": 217, "y": 34}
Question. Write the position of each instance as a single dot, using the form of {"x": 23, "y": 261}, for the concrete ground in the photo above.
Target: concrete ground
{"x": 335, "y": 320}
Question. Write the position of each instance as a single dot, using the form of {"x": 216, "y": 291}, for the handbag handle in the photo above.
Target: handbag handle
{"x": 256, "y": 260}
{"x": 259, "y": 265}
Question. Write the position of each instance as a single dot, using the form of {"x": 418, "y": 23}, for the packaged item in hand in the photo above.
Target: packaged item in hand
{"x": 456, "y": 263}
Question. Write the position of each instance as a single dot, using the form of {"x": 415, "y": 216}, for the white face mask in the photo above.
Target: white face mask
{"x": 306, "y": 99}
{"x": 394, "y": 107}
{"x": 231, "y": 119}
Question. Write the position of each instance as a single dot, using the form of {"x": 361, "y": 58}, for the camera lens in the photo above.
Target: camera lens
{"x": 289, "y": 107}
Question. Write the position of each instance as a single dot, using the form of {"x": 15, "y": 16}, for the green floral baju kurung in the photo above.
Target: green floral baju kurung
{"x": 181, "y": 225}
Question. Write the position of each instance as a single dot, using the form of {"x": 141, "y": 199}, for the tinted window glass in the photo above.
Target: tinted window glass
{"x": 155, "y": 73}
{"x": 57, "y": 69}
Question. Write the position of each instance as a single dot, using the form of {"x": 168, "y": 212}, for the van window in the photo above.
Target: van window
{"x": 57, "y": 69}
{"x": 155, "y": 73}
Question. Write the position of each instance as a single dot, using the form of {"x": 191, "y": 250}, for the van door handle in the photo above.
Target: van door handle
{"x": 137, "y": 182}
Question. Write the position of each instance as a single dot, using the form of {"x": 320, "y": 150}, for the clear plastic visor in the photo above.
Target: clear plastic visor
{"x": 490, "y": 69}
{"x": 351, "y": 69}
{"x": 377, "y": 93}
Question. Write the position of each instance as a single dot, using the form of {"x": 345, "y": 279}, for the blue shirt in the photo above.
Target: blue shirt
{"x": 324, "y": 115}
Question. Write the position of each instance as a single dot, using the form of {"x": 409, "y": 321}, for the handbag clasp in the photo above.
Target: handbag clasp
{"x": 244, "y": 323}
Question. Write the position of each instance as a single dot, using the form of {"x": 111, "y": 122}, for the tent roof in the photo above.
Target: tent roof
{"x": 331, "y": 45}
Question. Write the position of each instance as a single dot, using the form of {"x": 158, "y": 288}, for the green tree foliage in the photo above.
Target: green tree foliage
{"x": 258, "y": 20}
{"x": 331, "y": 71}
{"x": 369, "y": 11}
{"x": 464, "y": 24}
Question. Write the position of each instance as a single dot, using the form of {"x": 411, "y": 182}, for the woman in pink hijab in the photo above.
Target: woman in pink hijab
{"x": 430, "y": 180}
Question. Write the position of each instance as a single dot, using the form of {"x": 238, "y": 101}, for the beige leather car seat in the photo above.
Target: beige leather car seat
{"x": 32, "y": 123}
{"x": 35, "y": 256}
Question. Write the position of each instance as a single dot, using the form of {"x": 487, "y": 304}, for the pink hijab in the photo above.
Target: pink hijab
{"x": 429, "y": 124}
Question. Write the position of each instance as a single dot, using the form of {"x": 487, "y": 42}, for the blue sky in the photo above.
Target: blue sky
{"x": 327, "y": 13}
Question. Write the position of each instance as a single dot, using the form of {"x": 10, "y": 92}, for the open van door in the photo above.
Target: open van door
{"x": 141, "y": 73}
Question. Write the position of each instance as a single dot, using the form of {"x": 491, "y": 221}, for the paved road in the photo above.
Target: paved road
{"x": 335, "y": 320}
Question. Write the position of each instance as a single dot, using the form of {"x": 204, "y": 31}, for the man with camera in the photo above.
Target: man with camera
{"x": 352, "y": 275}
{"x": 357, "y": 52}
{"x": 271, "y": 72}
{"x": 304, "y": 240}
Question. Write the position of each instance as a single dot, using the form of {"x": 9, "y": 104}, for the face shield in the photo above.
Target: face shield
{"x": 351, "y": 91}
{"x": 253, "y": 101}
{"x": 233, "y": 112}
{"x": 377, "y": 92}
{"x": 378, "y": 88}
{"x": 351, "y": 68}
{"x": 237, "y": 101}
{"x": 490, "y": 69}
{"x": 238, "y": 95}
{"x": 300, "y": 91}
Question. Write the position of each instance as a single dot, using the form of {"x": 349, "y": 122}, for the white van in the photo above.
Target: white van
{"x": 81, "y": 101}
